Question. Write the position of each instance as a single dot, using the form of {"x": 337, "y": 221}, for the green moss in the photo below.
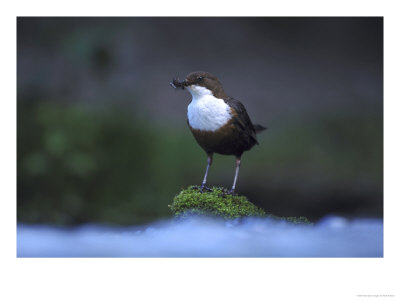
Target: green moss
{"x": 218, "y": 203}
{"x": 296, "y": 220}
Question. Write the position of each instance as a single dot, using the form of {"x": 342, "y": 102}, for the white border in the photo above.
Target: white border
{"x": 198, "y": 278}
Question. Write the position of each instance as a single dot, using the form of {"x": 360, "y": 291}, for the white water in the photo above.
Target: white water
{"x": 330, "y": 237}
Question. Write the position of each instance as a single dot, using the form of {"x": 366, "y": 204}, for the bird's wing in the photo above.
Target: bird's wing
{"x": 241, "y": 119}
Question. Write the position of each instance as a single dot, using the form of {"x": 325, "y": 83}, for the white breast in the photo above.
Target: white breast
{"x": 206, "y": 112}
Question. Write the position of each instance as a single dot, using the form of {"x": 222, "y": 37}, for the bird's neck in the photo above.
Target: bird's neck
{"x": 198, "y": 92}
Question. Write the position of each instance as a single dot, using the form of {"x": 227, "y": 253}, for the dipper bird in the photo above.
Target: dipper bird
{"x": 220, "y": 124}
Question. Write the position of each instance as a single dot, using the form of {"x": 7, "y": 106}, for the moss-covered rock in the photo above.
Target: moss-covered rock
{"x": 216, "y": 202}
{"x": 297, "y": 220}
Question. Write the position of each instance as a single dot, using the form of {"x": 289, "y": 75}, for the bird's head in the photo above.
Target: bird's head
{"x": 200, "y": 83}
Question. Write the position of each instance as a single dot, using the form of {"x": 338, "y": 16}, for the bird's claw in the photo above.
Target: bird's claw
{"x": 225, "y": 193}
{"x": 204, "y": 187}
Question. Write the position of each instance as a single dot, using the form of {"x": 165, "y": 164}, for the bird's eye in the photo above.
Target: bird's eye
{"x": 200, "y": 78}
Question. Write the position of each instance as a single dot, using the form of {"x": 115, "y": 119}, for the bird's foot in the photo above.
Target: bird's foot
{"x": 225, "y": 193}
{"x": 231, "y": 192}
{"x": 204, "y": 187}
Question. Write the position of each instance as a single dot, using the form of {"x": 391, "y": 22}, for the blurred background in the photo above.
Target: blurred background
{"x": 103, "y": 138}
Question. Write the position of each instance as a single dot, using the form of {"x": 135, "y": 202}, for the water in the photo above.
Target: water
{"x": 200, "y": 237}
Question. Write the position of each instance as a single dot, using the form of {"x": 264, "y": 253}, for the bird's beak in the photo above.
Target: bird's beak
{"x": 176, "y": 83}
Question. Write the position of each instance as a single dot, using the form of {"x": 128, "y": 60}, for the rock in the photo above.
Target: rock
{"x": 215, "y": 203}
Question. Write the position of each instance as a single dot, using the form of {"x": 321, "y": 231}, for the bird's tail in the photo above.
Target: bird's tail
{"x": 258, "y": 128}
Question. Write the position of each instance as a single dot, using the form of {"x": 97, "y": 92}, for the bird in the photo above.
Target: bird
{"x": 219, "y": 123}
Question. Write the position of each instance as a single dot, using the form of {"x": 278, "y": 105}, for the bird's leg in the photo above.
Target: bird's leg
{"x": 236, "y": 175}
{"x": 209, "y": 162}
